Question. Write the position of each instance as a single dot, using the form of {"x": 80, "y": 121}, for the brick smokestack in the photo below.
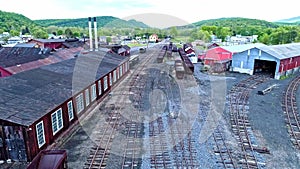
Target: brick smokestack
{"x": 90, "y": 34}
{"x": 96, "y": 38}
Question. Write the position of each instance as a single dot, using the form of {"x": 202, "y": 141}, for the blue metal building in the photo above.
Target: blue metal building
{"x": 279, "y": 60}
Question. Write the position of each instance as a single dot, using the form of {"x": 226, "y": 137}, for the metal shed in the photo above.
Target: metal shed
{"x": 279, "y": 60}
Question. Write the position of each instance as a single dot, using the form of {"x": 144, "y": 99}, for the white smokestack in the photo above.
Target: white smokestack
{"x": 90, "y": 34}
{"x": 96, "y": 38}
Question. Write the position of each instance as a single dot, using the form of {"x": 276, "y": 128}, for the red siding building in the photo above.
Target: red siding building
{"x": 220, "y": 57}
{"x": 40, "y": 105}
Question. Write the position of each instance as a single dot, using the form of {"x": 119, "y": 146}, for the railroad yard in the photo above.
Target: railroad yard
{"x": 160, "y": 118}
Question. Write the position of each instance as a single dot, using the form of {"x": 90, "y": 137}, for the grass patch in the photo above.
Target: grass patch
{"x": 286, "y": 76}
{"x": 136, "y": 44}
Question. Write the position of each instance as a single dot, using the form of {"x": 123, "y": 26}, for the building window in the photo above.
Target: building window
{"x": 126, "y": 67}
{"x": 121, "y": 70}
{"x": 70, "y": 110}
{"x": 87, "y": 97}
{"x": 94, "y": 94}
{"x": 40, "y": 134}
{"x": 118, "y": 73}
{"x": 110, "y": 79}
{"x": 79, "y": 103}
{"x": 115, "y": 75}
{"x": 99, "y": 87}
{"x": 57, "y": 121}
{"x": 105, "y": 83}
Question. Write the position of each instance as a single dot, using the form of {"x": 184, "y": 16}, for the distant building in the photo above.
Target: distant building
{"x": 55, "y": 44}
{"x": 153, "y": 38}
{"x": 15, "y": 40}
{"x": 102, "y": 40}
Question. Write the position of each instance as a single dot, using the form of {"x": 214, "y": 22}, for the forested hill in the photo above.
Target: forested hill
{"x": 236, "y": 22}
{"x": 102, "y": 21}
{"x": 12, "y": 21}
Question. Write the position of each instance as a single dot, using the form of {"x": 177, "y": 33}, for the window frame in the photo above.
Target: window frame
{"x": 87, "y": 97}
{"x": 110, "y": 79}
{"x": 70, "y": 110}
{"x": 82, "y": 103}
{"x": 99, "y": 87}
{"x": 43, "y": 134}
{"x": 105, "y": 83}
{"x": 93, "y": 92}
{"x": 114, "y": 75}
{"x": 121, "y": 70}
{"x": 59, "y": 124}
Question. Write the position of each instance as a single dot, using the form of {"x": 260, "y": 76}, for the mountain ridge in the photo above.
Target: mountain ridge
{"x": 102, "y": 21}
{"x": 290, "y": 20}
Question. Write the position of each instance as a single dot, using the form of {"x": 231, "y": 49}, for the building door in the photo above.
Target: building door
{"x": 15, "y": 144}
{"x": 2, "y": 148}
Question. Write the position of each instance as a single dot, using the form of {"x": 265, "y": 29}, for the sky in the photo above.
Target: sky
{"x": 156, "y": 13}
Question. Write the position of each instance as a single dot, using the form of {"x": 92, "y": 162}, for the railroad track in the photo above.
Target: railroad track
{"x": 171, "y": 143}
{"x": 222, "y": 150}
{"x": 289, "y": 106}
{"x": 238, "y": 104}
{"x": 100, "y": 152}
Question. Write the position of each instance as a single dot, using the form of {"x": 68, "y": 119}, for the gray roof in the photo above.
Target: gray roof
{"x": 25, "y": 45}
{"x": 241, "y": 48}
{"x": 50, "y": 40}
{"x": 12, "y": 56}
{"x": 29, "y": 95}
{"x": 283, "y": 51}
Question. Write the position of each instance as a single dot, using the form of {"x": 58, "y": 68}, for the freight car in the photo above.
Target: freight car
{"x": 188, "y": 65}
{"x": 179, "y": 68}
{"x": 190, "y": 52}
{"x": 161, "y": 54}
{"x": 49, "y": 159}
{"x": 169, "y": 53}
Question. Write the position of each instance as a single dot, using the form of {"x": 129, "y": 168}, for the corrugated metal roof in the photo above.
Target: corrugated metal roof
{"x": 283, "y": 51}
{"x": 12, "y": 56}
{"x": 28, "y": 96}
{"x": 241, "y": 48}
{"x": 60, "y": 55}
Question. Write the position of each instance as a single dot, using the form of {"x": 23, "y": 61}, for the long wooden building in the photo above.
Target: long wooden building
{"x": 39, "y": 105}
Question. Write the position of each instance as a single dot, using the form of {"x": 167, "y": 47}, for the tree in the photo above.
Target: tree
{"x": 25, "y": 30}
{"x": 108, "y": 39}
{"x": 14, "y": 33}
{"x": 204, "y": 35}
{"x": 76, "y": 34}
{"x": 68, "y": 33}
{"x": 173, "y": 31}
{"x": 60, "y": 32}
{"x": 265, "y": 39}
{"x": 210, "y": 29}
{"x": 39, "y": 33}
{"x": 223, "y": 32}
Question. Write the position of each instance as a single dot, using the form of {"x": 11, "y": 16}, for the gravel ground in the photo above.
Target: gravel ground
{"x": 266, "y": 118}
{"x": 268, "y": 122}
{"x": 207, "y": 84}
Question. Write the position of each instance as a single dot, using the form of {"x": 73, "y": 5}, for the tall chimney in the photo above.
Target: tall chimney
{"x": 90, "y": 34}
{"x": 96, "y": 38}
